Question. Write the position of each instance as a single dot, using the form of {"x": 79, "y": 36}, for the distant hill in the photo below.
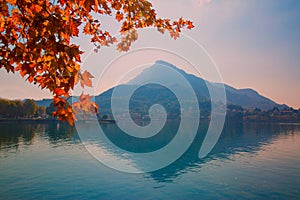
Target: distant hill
{"x": 43, "y": 102}
{"x": 147, "y": 94}
{"x": 247, "y": 98}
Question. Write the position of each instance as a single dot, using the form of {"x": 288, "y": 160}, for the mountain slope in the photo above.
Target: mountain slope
{"x": 248, "y": 98}
{"x": 147, "y": 94}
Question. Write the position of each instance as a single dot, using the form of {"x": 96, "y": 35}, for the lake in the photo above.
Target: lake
{"x": 49, "y": 161}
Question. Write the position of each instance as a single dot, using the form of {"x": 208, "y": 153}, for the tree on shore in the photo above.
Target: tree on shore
{"x": 35, "y": 40}
{"x": 19, "y": 109}
{"x": 50, "y": 109}
{"x": 41, "y": 111}
{"x": 29, "y": 107}
{"x": 4, "y": 107}
{"x": 11, "y": 109}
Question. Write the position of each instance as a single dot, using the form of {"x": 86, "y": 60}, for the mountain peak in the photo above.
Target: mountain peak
{"x": 157, "y": 71}
{"x": 167, "y": 64}
{"x": 247, "y": 97}
{"x": 163, "y": 62}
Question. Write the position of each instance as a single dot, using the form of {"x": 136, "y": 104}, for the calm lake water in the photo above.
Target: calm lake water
{"x": 250, "y": 161}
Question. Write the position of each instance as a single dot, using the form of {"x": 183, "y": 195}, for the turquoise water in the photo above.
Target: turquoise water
{"x": 250, "y": 161}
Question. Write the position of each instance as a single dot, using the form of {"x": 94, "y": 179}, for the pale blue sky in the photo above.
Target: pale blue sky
{"x": 254, "y": 43}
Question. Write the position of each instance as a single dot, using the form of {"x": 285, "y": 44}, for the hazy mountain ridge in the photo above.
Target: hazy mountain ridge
{"x": 247, "y": 98}
{"x": 43, "y": 102}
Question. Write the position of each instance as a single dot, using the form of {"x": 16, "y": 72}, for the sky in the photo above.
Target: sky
{"x": 255, "y": 44}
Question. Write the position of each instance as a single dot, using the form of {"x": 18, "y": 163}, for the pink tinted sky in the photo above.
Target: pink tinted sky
{"x": 254, "y": 43}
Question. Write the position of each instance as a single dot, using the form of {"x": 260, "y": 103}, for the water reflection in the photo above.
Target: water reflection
{"x": 14, "y": 134}
{"x": 60, "y": 132}
{"x": 235, "y": 139}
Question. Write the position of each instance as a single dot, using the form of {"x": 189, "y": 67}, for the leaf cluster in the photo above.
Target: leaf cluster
{"x": 35, "y": 40}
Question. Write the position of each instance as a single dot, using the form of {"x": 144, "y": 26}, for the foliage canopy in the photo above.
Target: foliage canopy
{"x": 36, "y": 41}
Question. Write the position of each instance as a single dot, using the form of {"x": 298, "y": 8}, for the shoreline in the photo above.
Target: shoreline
{"x": 111, "y": 121}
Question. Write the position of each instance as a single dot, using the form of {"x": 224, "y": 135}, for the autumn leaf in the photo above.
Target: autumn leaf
{"x": 30, "y": 79}
{"x": 190, "y": 25}
{"x": 59, "y": 91}
{"x": 174, "y": 34}
{"x": 84, "y": 105}
{"x": 86, "y": 79}
{"x": 119, "y": 16}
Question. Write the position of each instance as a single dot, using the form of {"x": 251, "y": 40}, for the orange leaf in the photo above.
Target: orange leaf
{"x": 76, "y": 78}
{"x": 59, "y": 91}
{"x": 190, "y": 25}
{"x": 39, "y": 78}
{"x": 30, "y": 79}
{"x": 74, "y": 28}
{"x": 63, "y": 2}
{"x": 86, "y": 79}
{"x": 87, "y": 28}
{"x": 119, "y": 16}
{"x": 174, "y": 34}
{"x": 85, "y": 98}
{"x": 77, "y": 57}
{"x": 58, "y": 100}
{"x": 70, "y": 120}
{"x": 96, "y": 6}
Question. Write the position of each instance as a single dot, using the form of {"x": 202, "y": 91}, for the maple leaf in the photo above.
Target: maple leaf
{"x": 62, "y": 2}
{"x": 190, "y": 25}
{"x": 59, "y": 91}
{"x": 86, "y": 79}
{"x": 74, "y": 28}
{"x": 85, "y": 105}
{"x": 30, "y": 79}
{"x": 87, "y": 28}
{"x": 174, "y": 34}
{"x": 119, "y": 16}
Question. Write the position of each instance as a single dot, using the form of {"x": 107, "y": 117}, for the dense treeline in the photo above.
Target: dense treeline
{"x": 27, "y": 109}
{"x": 238, "y": 113}
{"x": 14, "y": 109}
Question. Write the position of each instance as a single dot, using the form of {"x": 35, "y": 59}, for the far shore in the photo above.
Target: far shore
{"x": 113, "y": 121}
{"x": 28, "y": 119}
